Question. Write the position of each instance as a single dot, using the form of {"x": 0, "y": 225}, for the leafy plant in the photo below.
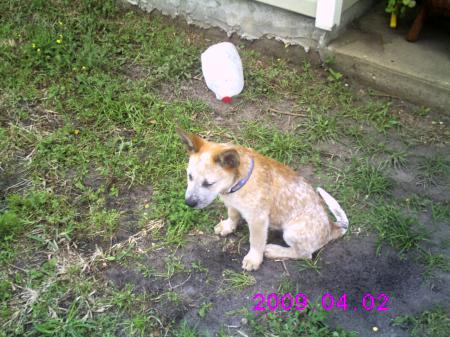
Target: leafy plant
{"x": 238, "y": 280}
{"x": 430, "y": 323}
{"x": 399, "y": 6}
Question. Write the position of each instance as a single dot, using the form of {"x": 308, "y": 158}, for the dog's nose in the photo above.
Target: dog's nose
{"x": 191, "y": 202}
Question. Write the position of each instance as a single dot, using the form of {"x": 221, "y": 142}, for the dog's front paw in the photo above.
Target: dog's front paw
{"x": 252, "y": 261}
{"x": 224, "y": 227}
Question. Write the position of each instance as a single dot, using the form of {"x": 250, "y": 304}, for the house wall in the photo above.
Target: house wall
{"x": 251, "y": 19}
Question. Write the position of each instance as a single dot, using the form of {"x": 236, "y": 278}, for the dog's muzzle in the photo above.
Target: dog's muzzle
{"x": 191, "y": 202}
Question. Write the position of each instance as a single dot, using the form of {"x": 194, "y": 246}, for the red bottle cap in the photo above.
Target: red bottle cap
{"x": 227, "y": 99}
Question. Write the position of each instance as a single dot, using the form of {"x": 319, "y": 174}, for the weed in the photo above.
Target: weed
{"x": 422, "y": 111}
{"x": 10, "y": 224}
{"x": 139, "y": 325}
{"x": 185, "y": 331}
{"x": 396, "y": 159}
{"x": 395, "y": 228}
{"x": 106, "y": 220}
{"x": 204, "y": 308}
{"x": 286, "y": 285}
{"x": 434, "y": 261}
{"x": 312, "y": 264}
{"x": 33, "y": 209}
{"x": 430, "y": 323}
{"x": 440, "y": 211}
{"x": 172, "y": 296}
{"x": 124, "y": 298}
{"x": 147, "y": 271}
{"x": 238, "y": 281}
{"x": 434, "y": 171}
{"x": 380, "y": 115}
{"x": 173, "y": 266}
{"x": 71, "y": 325}
{"x": 334, "y": 75}
{"x": 418, "y": 203}
{"x": 310, "y": 322}
{"x": 320, "y": 127}
{"x": 199, "y": 267}
{"x": 365, "y": 179}
{"x": 284, "y": 147}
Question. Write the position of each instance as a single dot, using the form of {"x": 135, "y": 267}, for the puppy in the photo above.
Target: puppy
{"x": 266, "y": 194}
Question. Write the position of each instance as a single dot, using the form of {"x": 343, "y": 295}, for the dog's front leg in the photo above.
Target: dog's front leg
{"x": 258, "y": 228}
{"x": 228, "y": 226}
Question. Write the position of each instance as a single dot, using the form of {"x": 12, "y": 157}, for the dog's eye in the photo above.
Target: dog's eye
{"x": 207, "y": 184}
{"x": 190, "y": 177}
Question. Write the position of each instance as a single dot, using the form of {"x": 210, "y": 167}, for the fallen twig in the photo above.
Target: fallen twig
{"x": 287, "y": 113}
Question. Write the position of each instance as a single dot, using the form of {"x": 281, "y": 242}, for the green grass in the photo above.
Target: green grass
{"x": 430, "y": 323}
{"x": 434, "y": 171}
{"x": 308, "y": 323}
{"x": 238, "y": 281}
{"x": 320, "y": 127}
{"x": 310, "y": 264}
{"x": 396, "y": 159}
{"x": 434, "y": 262}
{"x": 204, "y": 308}
{"x": 285, "y": 147}
{"x": 395, "y": 228}
{"x": 440, "y": 211}
{"x": 286, "y": 285}
{"x": 185, "y": 331}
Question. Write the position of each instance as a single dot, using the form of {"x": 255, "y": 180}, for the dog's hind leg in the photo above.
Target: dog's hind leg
{"x": 278, "y": 252}
{"x": 228, "y": 226}
{"x": 302, "y": 241}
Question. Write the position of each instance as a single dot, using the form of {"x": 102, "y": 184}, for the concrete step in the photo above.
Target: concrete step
{"x": 381, "y": 57}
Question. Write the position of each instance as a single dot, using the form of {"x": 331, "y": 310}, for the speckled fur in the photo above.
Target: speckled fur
{"x": 275, "y": 197}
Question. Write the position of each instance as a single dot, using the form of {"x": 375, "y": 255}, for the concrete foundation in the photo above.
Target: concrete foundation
{"x": 251, "y": 19}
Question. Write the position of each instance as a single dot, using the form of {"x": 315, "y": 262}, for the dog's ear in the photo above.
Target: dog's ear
{"x": 228, "y": 159}
{"x": 193, "y": 142}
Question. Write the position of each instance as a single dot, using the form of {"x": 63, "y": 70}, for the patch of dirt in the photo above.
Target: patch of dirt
{"x": 347, "y": 266}
{"x": 130, "y": 204}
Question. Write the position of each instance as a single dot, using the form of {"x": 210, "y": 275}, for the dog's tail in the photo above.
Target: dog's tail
{"x": 341, "y": 218}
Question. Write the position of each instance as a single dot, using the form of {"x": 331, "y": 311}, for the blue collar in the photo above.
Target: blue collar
{"x": 242, "y": 182}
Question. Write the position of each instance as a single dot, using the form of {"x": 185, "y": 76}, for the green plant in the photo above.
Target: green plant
{"x": 238, "y": 281}
{"x": 430, "y": 323}
{"x": 204, "y": 308}
{"x": 312, "y": 264}
{"x": 286, "y": 285}
{"x": 396, "y": 159}
{"x": 395, "y": 228}
{"x": 68, "y": 326}
{"x": 282, "y": 146}
{"x": 399, "y": 6}
{"x": 434, "y": 261}
{"x": 434, "y": 171}
{"x": 10, "y": 224}
{"x": 334, "y": 75}
{"x": 310, "y": 322}
{"x": 185, "y": 331}
{"x": 367, "y": 179}
{"x": 320, "y": 127}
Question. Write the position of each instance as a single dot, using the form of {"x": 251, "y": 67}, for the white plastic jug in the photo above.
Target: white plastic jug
{"x": 222, "y": 70}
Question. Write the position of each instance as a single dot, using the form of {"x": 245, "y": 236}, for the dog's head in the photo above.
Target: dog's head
{"x": 212, "y": 169}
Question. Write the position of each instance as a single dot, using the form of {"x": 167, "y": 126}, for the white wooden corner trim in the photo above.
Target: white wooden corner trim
{"x": 328, "y": 13}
